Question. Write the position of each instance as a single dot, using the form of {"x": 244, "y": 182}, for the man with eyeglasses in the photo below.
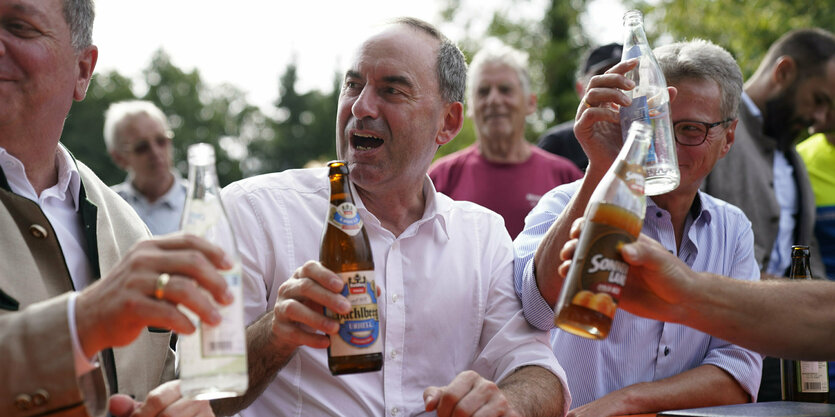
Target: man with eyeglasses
{"x": 644, "y": 366}
{"x": 138, "y": 138}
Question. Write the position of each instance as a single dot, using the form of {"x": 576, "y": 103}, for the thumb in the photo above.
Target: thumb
{"x": 431, "y": 397}
{"x": 121, "y": 405}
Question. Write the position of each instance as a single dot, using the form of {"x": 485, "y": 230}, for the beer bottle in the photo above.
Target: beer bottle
{"x": 614, "y": 216}
{"x": 651, "y": 104}
{"x": 347, "y": 252}
{"x": 212, "y": 360}
{"x": 806, "y": 381}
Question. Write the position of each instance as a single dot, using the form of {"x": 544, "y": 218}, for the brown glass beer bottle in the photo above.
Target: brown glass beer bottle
{"x": 806, "y": 381}
{"x": 614, "y": 216}
{"x": 347, "y": 252}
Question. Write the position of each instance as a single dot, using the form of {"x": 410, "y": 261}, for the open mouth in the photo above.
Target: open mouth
{"x": 363, "y": 142}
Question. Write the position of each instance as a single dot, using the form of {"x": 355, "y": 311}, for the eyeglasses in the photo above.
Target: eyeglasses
{"x": 143, "y": 147}
{"x": 692, "y": 133}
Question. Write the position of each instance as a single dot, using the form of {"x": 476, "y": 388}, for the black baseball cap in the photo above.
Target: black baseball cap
{"x": 602, "y": 58}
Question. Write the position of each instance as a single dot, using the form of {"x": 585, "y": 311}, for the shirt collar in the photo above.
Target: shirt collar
{"x": 437, "y": 207}
{"x": 697, "y": 209}
{"x": 752, "y": 107}
{"x": 69, "y": 180}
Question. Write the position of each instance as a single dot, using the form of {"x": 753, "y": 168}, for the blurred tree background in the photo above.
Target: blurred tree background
{"x": 301, "y": 127}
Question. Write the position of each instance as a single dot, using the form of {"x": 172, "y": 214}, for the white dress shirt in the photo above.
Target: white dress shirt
{"x": 447, "y": 302}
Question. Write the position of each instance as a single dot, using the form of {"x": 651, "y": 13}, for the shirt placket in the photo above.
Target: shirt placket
{"x": 394, "y": 332}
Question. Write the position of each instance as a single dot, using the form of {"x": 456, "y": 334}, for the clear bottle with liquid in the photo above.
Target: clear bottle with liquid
{"x": 806, "y": 381}
{"x": 212, "y": 361}
{"x": 614, "y": 216}
{"x": 651, "y": 104}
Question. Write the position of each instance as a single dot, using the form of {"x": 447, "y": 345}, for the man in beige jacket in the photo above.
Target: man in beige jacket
{"x": 74, "y": 282}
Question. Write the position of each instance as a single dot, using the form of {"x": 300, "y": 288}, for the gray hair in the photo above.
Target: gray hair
{"x": 120, "y": 111}
{"x": 451, "y": 65}
{"x": 500, "y": 54}
{"x": 701, "y": 59}
{"x": 79, "y": 15}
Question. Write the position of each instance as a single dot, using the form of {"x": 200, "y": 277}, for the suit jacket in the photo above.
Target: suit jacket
{"x": 39, "y": 372}
{"x": 745, "y": 178}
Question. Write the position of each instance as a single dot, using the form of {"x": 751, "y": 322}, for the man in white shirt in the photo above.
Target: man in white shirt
{"x": 454, "y": 337}
{"x": 138, "y": 139}
{"x": 65, "y": 231}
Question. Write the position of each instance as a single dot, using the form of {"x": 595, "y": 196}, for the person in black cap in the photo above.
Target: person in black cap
{"x": 560, "y": 139}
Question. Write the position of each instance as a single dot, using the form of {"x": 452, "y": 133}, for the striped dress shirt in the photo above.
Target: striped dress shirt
{"x": 717, "y": 238}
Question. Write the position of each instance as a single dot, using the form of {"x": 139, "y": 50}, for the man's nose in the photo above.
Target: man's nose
{"x": 366, "y": 104}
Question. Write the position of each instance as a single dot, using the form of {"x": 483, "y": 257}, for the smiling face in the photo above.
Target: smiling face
{"x": 391, "y": 117}
{"x": 40, "y": 72}
{"x": 802, "y": 104}
{"x": 499, "y": 104}
{"x": 699, "y": 100}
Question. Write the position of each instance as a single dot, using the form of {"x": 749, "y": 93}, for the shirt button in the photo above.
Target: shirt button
{"x": 38, "y": 231}
{"x": 394, "y": 298}
{"x": 666, "y": 350}
{"x": 393, "y": 354}
{"x": 658, "y": 214}
{"x": 394, "y": 411}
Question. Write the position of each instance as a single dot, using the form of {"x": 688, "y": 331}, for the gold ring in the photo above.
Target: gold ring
{"x": 586, "y": 103}
{"x": 162, "y": 281}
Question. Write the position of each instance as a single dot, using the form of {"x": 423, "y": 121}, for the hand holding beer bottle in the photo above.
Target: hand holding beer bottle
{"x": 615, "y": 212}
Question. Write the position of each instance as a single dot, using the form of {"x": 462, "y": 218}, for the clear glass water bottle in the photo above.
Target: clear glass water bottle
{"x": 651, "y": 104}
{"x": 212, "y": 360}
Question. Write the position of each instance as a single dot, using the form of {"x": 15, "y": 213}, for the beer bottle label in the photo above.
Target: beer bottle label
{"x": 813, "y": 376}
{"x": 359, "y": 329}
{"x": 603, "y": 272}
{"x": 633, "y": 176}
{"x": 346, "y": 218}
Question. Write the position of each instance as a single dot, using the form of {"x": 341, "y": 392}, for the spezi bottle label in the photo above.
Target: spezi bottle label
{"x": 346, "y": 218}
{"x": 360, "y": 328}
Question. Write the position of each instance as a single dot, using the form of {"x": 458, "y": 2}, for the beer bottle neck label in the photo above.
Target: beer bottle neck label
{"x": 345, "y": 218}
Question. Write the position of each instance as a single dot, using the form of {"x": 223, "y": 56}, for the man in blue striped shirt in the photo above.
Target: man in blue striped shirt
{"x": 646, "y": 365}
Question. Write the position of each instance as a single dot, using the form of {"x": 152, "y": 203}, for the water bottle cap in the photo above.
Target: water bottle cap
{"x": 633, "y": 16}
{"x": 201, "y": 154}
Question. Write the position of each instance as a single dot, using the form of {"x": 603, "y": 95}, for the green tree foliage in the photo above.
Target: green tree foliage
{"x": 745, "y": 27}
{"x": 304, "y": 130}
{"x": 198, "y": 113}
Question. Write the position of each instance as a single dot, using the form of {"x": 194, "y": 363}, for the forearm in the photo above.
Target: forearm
{"x": 703, "y": 386}
{"x": 547, "y": 257}
{"x": 801, "y": 312}
{"x": 264, "y": 361}
{"x": 534, "y": 391}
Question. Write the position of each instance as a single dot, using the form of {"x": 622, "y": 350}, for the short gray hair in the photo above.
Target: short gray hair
{"x": 451, "y": 65}
{"x": 500, "y": 54}
{"x": 701, "y": 59}
{"x": 119, "y": 111}
{"x": 79, "y": 15}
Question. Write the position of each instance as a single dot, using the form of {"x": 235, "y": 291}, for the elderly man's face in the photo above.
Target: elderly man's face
{"x": 391, "y": 116}
{"x": 145, "y": 148}
{"x": 699, "y": 100}
{"x": 498, "y": 103}
{"x": 40, "y": 72}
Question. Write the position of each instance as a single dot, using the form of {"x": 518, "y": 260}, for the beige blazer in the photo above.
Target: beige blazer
{"x": 39, "y": 373}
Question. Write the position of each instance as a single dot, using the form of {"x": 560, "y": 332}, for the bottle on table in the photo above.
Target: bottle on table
{"x": 346, "y": 251}
{"x": 651, "y": 104}
{"x": 212, "y": 361}
{"x": 806, "y": 381}
{"x": 614, "y": 216}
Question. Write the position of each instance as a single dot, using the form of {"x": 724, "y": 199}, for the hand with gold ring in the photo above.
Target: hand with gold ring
{"x": 136, "y": 293}
{"x": 159, "y": 289}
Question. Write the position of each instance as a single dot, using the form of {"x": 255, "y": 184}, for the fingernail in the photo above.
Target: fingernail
{"x": 227, "y": 262}
{"x": 215, "y": 318}
{"x": 344, "y": 305}
{"x": 337, "y": 283}
{"x": 630, "y": 83}
{"x": 228, "y": 297}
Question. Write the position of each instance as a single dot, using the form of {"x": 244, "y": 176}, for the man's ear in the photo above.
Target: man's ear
{"x": 530, "y": 103}
{"x": 86, "y": 64}
{"x": 452, "y": 123}
{"x": 784, "y": 72}
{"x": 119, "y": 160}
{"x": 730, "y": 133}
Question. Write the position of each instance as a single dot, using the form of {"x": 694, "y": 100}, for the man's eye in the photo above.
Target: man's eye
{"x": 22, "y": 29}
